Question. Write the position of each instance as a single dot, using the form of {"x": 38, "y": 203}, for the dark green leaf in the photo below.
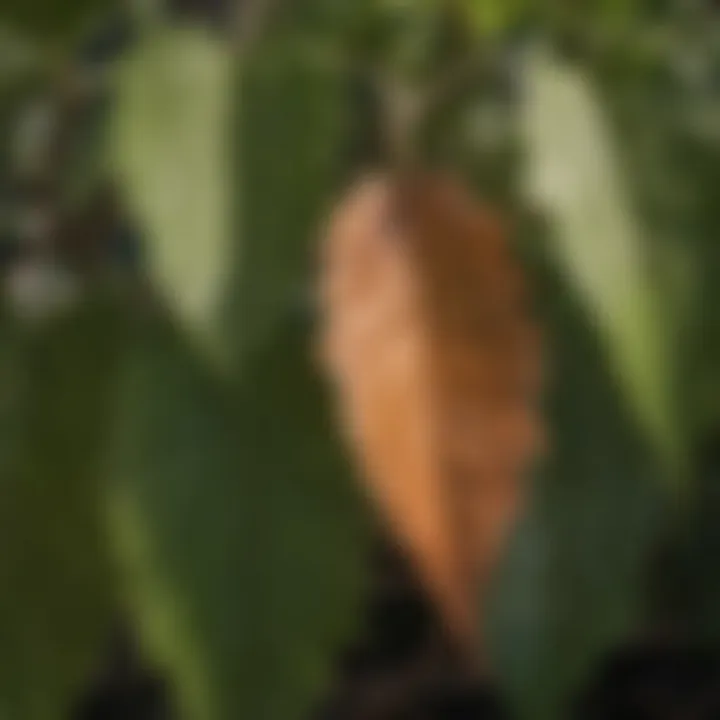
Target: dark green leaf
{"x": 55, "y": 568}
{"x": 52, "y": 20}
{"x": 572, "y": 587}
{"x": 239, "y": 528}
{"x": 489, "y": 17}
{"x": 294, "y": 120}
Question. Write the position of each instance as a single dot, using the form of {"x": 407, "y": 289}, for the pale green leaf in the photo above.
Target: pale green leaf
{"x": 169, "y": 148}
{"x": 575, "y": 174}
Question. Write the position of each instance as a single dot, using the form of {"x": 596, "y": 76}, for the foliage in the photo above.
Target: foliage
{"x": 169, "y": 145}
{"x": 222, "y": 507}
{"x": 573, "y": 173}
{"x": 166, "y": 450}
{"x": 58, "y": 594}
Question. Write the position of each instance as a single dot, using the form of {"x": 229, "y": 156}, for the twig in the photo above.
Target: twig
{"x": 402, "y": 107}
{"x": 455, "y": 79}
{"x": 250, "y": 21}
{"x": 405, "y": 107}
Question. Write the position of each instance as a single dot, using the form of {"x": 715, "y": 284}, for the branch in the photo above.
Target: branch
{"x": 250, "y": 22}
{"x": 455, "y": 79}
{"x": 405, "y": 107}
{"x": 399, "y": 103}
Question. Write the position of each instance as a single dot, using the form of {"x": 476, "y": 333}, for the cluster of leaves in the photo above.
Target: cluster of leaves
{"x": 179, "y": 466}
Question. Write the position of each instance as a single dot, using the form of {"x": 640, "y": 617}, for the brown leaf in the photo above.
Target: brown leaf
{"x": 428, "y": 340}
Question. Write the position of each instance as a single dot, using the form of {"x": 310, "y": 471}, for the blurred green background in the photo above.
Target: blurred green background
{"x": 165, "y": 450}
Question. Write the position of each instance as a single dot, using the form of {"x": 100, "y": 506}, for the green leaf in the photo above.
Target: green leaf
{"x": 20, "y": 58}
{"x": 704, "y": 368}
{"x": 56, "y": 572}
{"x": 238, "y": 526}
{"x": 169, "y": 148}
{"x": 53, "y": 20}
{"x": 489, "y": 17}
{"x": 574, "y": 173}
{"x": 672, "y": 178}
{"x": 294, "y": 123}
{"x": 573, "y": 586}
{"x": 687, "y": 585}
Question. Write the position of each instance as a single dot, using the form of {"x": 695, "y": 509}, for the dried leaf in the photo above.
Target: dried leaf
{"x": 429, "y": 343}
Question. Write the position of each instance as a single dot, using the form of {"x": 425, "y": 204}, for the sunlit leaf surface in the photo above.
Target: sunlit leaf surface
{"x": 575, "y": 174}
{"x": 169, "y": 148}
